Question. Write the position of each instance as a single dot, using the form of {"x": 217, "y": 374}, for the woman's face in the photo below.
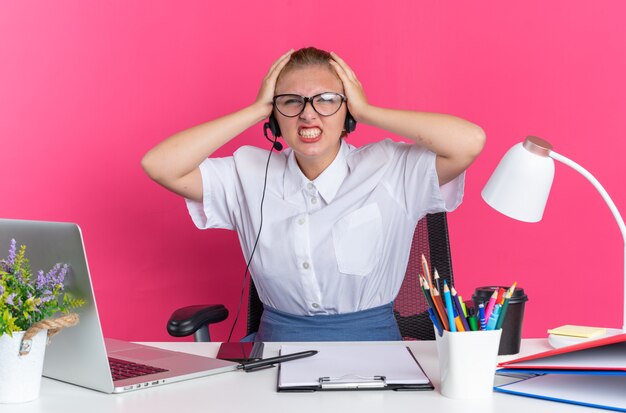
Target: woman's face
{"x": 315, "y": 139}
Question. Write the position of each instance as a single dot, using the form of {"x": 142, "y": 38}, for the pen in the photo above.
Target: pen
{"x": 449, "y": 307}
{"x": 253, "y": 365}
{"x": 481, "y": 316}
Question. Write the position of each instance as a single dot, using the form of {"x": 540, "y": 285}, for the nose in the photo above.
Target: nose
{"x": 308, "y": 112}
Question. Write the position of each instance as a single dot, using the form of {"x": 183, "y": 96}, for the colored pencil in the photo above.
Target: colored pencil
{"x": 449, "y": 307}
{"x": 440, "y": 309}
{"x": 491, "y": 304}
{"x": 459, "y": 308}
{"x": 437, "y": 280}
{"x": 427, "y": 271}
{"x": 505, "y": 306}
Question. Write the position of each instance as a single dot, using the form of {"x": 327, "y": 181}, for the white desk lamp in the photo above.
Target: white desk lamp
{"x": 520, "y": 185}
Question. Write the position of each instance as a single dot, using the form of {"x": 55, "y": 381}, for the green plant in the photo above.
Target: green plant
{"x": 26, "y": 298}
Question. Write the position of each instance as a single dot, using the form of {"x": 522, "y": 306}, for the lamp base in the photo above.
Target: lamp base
{"x": 558, "y": 341}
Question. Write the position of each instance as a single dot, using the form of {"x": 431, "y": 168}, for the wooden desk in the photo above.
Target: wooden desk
{"x": 256, "y": 392}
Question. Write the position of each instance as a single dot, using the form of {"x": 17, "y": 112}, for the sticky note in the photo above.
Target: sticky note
{"x": 578, "y": 331}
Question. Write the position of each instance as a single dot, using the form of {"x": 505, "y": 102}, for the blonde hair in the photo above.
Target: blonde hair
{"x": 308, "y": 56}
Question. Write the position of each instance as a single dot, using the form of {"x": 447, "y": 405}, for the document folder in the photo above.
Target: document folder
{"x": 363, "y": 366}
{"x": 592, "y": 373}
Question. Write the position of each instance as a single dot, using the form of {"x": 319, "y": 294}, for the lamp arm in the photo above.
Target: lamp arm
{"x": 610, "y": 203}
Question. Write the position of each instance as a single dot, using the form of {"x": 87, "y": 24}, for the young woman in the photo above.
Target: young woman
{"x": 337, "y": 221}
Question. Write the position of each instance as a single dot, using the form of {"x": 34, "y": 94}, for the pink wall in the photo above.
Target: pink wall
{"x": 86, "y": 88}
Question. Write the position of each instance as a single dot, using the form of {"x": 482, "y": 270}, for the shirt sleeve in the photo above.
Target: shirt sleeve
{"x": 414, "y": 178}
{"x": 219, "y": 195}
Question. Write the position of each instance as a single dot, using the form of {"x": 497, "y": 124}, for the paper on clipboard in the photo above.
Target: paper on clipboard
{"x": 344, "y": 363}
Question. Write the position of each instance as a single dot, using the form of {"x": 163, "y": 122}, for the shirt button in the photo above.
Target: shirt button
{"x": 310, "y": 185}
{"x": 313, "y": 200}
{"x": 301, "y": 221}
{"x": 315, "y": 305}
{"x": 305, "y": 265}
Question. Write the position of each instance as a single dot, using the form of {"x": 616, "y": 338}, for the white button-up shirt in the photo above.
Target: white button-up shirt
{"x": 337, "y": 244}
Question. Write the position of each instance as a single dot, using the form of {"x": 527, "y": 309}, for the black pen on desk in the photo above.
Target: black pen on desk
{"x": 258, "y": 364}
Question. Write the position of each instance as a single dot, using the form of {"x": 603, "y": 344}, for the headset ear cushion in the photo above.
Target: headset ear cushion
{"x": 274, "y": 128}
{"x": 350, "y": 123}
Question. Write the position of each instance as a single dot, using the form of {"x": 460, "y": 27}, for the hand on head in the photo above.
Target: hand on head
{"x": 357, "y": 101}
{"x": 266, "y": 93}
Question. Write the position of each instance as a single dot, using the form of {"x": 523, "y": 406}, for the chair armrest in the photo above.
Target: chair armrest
{"x": 187, "y": 320}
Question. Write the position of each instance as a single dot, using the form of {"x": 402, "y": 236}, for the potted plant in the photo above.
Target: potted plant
{"x": 32, "y": 308}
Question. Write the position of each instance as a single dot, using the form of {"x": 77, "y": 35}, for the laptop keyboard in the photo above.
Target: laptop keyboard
{"x": 122, "y": 369}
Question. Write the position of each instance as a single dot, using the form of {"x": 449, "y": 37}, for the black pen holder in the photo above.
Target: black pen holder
{"x": 512, "y": 325}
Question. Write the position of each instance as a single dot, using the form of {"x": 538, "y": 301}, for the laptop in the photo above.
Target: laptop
{"x": 81, "y": 355}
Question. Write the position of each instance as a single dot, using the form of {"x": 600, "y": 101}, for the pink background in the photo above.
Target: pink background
{"x": 86, "y": 88}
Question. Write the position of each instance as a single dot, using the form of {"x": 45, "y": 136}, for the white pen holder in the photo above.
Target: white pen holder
{"x": 467, "y": 363}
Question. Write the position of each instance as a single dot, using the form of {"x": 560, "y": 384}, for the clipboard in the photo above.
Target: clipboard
{"x": 363, "y": 366}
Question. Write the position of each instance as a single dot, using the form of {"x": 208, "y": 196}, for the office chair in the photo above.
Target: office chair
{"x": 410, "y": 306}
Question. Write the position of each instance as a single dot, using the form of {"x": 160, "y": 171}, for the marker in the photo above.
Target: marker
{"x": 471, "y": 319}
{"x": 449, "y": 307}
{"x": 493, "y": 319}
{"x": 481, "y": 316}
{"x": 491, "y": 304}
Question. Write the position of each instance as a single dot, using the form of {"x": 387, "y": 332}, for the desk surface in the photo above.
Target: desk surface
{"x": 256, "y": 392}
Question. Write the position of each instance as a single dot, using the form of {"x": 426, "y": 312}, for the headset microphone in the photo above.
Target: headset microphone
{"x": 275, "y": 144}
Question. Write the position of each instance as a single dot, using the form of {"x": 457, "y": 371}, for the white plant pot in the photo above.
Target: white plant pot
{"x": 20, "y": 376}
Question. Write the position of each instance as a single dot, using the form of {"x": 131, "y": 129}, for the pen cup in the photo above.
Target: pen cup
{"x": 512, "y": 325}
{"x": 467, "y": 363}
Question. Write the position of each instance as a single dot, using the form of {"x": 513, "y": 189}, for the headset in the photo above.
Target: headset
{"x": 272, "y": 124}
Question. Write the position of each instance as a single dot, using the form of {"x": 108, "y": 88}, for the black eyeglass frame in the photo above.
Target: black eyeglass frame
{"x": 307, "y": 100}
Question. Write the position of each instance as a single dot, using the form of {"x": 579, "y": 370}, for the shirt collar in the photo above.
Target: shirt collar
{"x": 327, "y": 184}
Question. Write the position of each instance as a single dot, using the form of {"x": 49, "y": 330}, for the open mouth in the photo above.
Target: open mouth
{"x": 309, "y": 133}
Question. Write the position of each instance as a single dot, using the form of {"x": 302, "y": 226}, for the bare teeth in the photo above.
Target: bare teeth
{"x": 310, "y": 133}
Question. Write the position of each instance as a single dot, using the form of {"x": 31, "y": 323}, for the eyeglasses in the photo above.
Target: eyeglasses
{"x": 325, "y": 104}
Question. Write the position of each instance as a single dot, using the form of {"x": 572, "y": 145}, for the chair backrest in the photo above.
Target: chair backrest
{"x": 410, "y": 307}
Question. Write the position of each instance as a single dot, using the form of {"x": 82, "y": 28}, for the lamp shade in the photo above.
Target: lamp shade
{"x": 520, "y": 185}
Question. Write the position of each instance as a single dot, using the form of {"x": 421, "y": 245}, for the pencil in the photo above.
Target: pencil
{"x": 505, "y": 306}
{"x": 426, "y": 291}
{"x": 426, "y": 271}
{"x": 491, "y": 304}
{"x": 459, "y": 308}
{"x": 440, "y": 309}
{"x": 449, "y": 307}
{"x": 437, "y": 279}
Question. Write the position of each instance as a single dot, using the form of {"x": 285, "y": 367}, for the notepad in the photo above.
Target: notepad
{"x": 578, "y": 331}
{"x": 352, "y": 366}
